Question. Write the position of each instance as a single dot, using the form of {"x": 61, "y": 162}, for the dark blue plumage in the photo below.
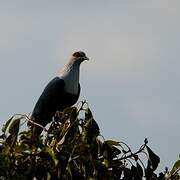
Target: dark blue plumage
{"x": 54, "y": 98}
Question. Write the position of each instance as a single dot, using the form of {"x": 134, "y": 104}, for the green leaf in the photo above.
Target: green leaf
{"x": 74, "y": 114}
{"x": 14, "y": 127}
{"x": 106, "y": 163}
{"x": 139, "y": 170}
{"x": 72, "y": 150}
{"x": 128, "y": 174}
{"x": 134, "y": 173}
{"x": 52, "y": 154}
{"x": 88, "y": 114}
{"x": 175, "y": 167}
{"x": 68, "y": 110}
{"x": 116, "y": 151}
{"x": 112, "y": 143}
{"x": 48, "y": 176}
{"x": 62, "y": 140}
{"x": 153, "y": 159}
{"x": 92, "y": 127}
{"x": 69, "y": 170}
{"x": 148, "y": 173}
{"x": 7, "y": 124}
{"x": 107, "y": 151}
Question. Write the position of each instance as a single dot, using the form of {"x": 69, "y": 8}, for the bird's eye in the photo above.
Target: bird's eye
{"x": 77, "y": 54}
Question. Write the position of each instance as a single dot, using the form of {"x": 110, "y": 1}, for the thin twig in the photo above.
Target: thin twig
{"x": 31, "y": 121}
{"x": 132, "y": 154}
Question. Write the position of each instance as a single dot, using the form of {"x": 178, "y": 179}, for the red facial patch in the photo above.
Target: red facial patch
{"x": 79, "y": 54}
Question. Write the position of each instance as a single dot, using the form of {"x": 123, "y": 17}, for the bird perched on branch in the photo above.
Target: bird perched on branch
{"x": 61, "y": 92}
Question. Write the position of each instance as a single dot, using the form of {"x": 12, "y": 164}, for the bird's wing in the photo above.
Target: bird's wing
{"x": 49, "y": 97}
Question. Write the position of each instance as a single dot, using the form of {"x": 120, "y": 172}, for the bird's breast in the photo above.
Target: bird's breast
{"x": 71, "y": 86}
{"x": 71, "y": 83}
{"x": 70, "y": 75}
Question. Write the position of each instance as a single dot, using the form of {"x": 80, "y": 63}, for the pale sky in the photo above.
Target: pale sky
{"x": 132, "y": 80}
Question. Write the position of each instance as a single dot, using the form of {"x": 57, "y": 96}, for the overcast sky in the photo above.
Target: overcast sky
{"x": 132, "y": 80}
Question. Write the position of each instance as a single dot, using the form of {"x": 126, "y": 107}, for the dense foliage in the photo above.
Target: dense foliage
{"x": 72, "y": 148}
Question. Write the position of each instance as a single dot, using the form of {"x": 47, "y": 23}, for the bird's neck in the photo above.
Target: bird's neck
{"x": 70, "y": 75}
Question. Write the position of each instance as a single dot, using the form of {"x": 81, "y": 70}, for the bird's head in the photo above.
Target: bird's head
{"x": 79, "y": 56}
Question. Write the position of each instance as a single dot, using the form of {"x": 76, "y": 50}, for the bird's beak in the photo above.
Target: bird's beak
{"x": 86, "y": 58}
